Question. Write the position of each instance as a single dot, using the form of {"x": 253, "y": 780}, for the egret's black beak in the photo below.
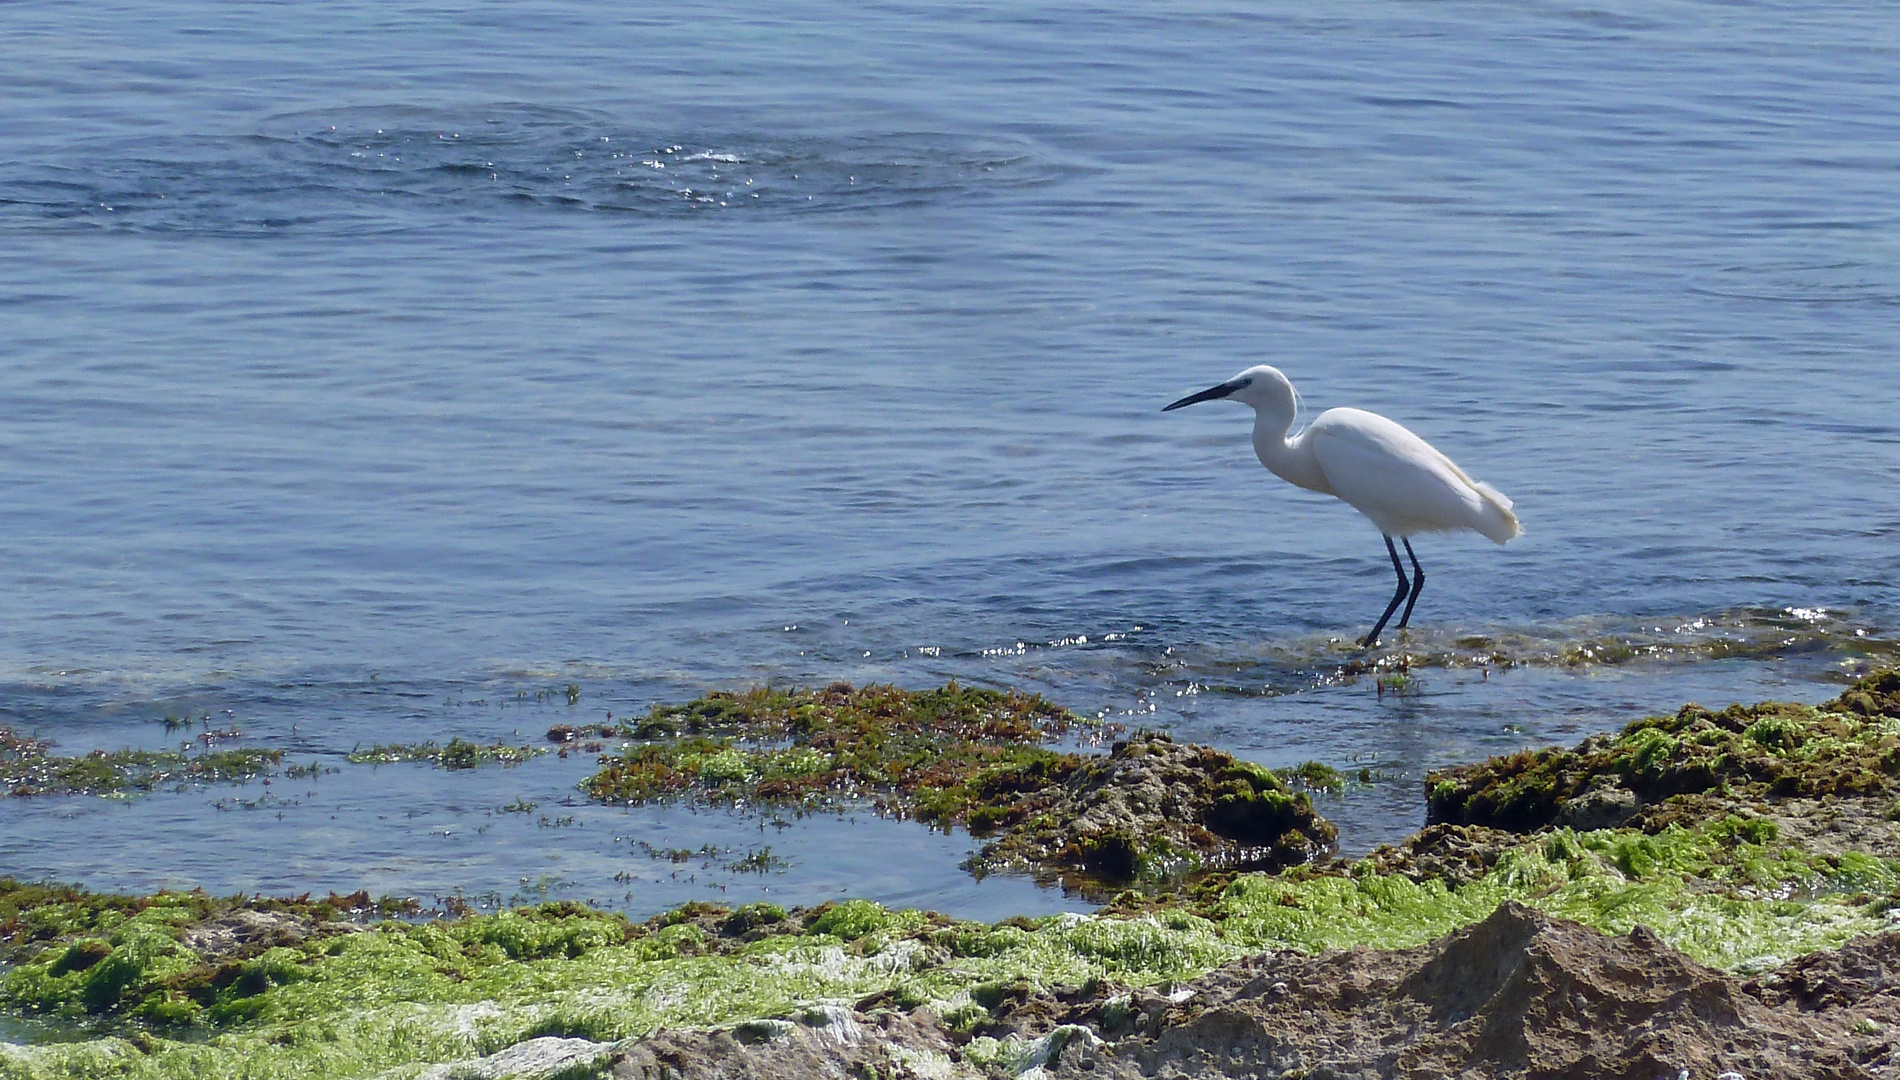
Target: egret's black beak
{"x": 1208, "y": 394}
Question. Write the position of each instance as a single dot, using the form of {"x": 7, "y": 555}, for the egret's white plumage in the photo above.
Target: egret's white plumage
{"x": 1376, "y": 466}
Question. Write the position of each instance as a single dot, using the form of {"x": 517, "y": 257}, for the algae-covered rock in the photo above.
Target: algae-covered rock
{"x": 1876, "y": 695}
{"x": 1159, "y": 807}
{"x": 953, "y": 755}
{"x": 1848, "y": 747}
{"x": 458, "y": 754}
{"x": 29, "y": 767}
{"x": 1453, "y": 854}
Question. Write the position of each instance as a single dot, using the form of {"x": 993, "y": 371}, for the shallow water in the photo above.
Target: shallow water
{"x": 373, "y": 372}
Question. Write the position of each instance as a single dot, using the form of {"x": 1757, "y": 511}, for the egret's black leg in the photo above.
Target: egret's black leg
{"x": 1405, "y": 587}
{"x": 1418, "y": 583}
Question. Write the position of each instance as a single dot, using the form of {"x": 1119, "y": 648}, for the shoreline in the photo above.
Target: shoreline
{"x": 1785, "y": 853}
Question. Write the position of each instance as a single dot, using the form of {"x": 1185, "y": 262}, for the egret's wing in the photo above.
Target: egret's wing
{"x": 1399, "y": 480}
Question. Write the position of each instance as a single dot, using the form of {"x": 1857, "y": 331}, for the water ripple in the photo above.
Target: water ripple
{"x": 380, "y": 170}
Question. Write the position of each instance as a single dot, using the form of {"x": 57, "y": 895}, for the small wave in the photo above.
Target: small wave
{"x": 1832, "y": 645}
{"x": 1841, "y": 282}
{"x": 1744, "y": 634}
{"x": 368, "y": 170}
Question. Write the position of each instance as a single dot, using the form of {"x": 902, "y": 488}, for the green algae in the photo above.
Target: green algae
{"x": 1848, "y": 746}
{"x": 1708, "y": 891}
{"x": 37, "y": 916}
{"x": 28, "y": 767}
{"x": 458, "y": 754}
{"x": 1252, "y": 803}
{"x": 954, "y": 755}
{"x": 1876, "y": 695}
{"x": 1318, "y": 776}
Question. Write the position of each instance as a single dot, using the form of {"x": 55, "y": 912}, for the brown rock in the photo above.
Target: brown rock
{"x": 243, "y": 933}
{"x": 828, "y": 1042}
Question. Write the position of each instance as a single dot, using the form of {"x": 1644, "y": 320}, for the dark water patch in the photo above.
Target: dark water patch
{"x": 371, "y": 170}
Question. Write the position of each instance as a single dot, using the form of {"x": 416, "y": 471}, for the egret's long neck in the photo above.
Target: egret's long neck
{"x": 1292, "y": 459}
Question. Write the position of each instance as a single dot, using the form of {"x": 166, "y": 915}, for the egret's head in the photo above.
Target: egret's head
{"x": 1261, "y": 386}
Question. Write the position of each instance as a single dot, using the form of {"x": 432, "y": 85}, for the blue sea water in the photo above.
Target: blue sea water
{"x": 370, "y": 371}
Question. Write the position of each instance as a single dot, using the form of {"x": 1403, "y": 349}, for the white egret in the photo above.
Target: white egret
{"x": 1375, "y": 466}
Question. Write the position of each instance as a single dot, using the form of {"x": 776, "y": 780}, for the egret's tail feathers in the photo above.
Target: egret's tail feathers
{"x": 1495, "y": 519}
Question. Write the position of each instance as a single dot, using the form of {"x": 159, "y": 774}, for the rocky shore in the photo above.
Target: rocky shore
{"x": 1518, "y": 994}
{"x": 1709, "y": 894}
